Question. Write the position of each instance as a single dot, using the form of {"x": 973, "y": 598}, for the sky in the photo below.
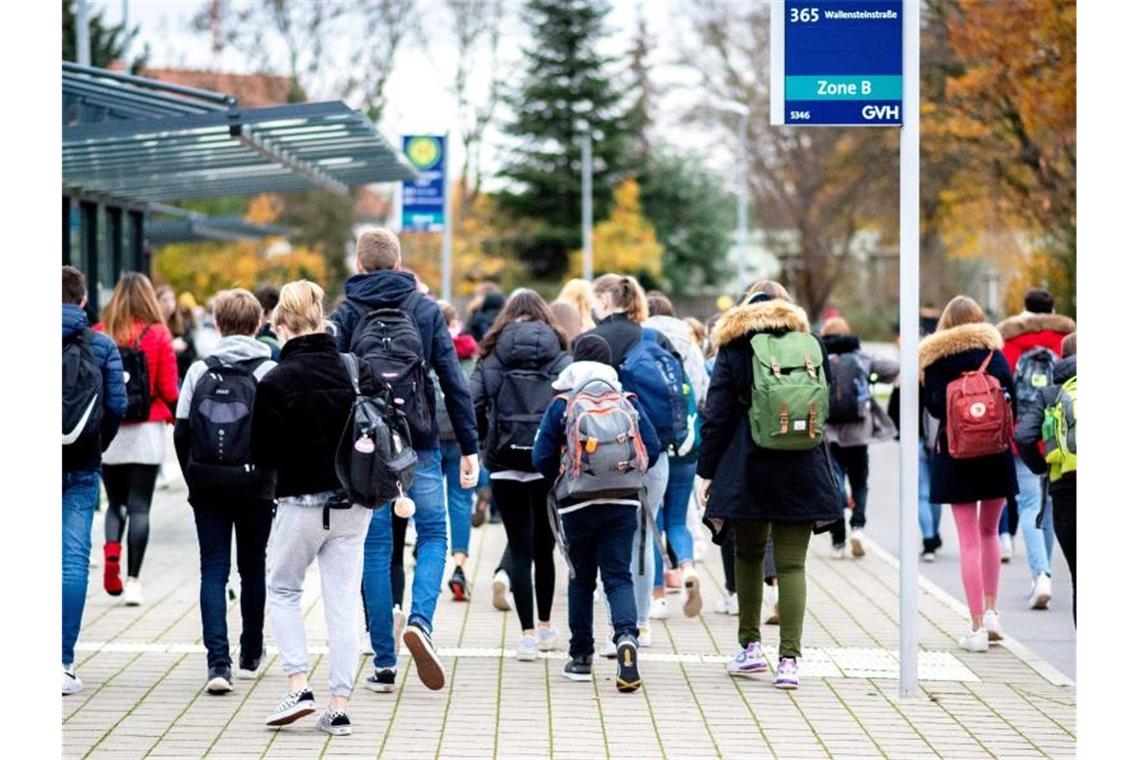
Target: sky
{"x": 417, "y": 92}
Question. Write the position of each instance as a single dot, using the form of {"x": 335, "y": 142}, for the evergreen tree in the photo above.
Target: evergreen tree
{"x": 107, "y": 42}
{"x": 565, "y": 82}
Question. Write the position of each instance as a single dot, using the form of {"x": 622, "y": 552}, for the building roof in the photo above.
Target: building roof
{"x": 251, "y": 90}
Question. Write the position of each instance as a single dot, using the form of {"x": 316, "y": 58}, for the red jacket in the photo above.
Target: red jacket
{"x": 158, "y": 347}
{"x": 1028, "y": 330}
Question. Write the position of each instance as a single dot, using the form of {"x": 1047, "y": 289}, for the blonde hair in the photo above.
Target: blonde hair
{"x": 626, "y": 295}
{"x": 133, "y": 299}
{"x": 576, "y": 293}
{"x": 299, "y": 308}
{"x": 962, "y": 310}
{"x": 377, "y": 249}
{"x": 769, "y": 287}
{"x": 835, "y": 326}
{"x": 237, "y": 312}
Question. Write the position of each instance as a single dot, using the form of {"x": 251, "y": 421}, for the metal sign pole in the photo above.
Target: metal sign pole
{"x": 908, "y": 332}
{"x": 446, "y": 256}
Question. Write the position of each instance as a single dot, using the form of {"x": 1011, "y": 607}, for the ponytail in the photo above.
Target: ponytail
{"x": 626, "y": 295}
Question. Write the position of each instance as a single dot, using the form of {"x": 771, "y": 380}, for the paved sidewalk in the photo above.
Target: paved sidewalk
{"x": 144, "y": 671}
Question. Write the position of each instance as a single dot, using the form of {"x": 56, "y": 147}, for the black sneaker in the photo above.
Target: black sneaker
{"x": 579, "y": 668}
{"x": 248, "y": 667}
{"x": 297, "y": 704}
{"x": 335, "y": 723}
{"x": 382, "y": 680}
{"x": 219, "y": 680}
{"x": 428, "y": 666}
{"x": 628, "y": 677}
{"x": 458, "y": 586}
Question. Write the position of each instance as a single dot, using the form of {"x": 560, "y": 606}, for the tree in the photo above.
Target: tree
{"x": 625, "y": 243}
{"x": 108, "y": 43}
{"x": 692, "y": 215}
{"x": 566, "y": 85}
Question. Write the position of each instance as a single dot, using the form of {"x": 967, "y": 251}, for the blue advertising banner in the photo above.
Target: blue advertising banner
{"x": 424, "y": 198}
{"x": 839, "y": 62}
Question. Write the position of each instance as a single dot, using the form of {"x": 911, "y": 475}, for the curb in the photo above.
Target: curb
{"x": 1016, "y": 648}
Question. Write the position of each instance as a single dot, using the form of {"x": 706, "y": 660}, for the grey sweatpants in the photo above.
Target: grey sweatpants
{"x": 299, "y": 537}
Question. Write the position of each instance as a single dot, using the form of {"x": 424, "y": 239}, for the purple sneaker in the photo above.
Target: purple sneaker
{"x": 748, "y": 660}
{"x": 788, "y": 673}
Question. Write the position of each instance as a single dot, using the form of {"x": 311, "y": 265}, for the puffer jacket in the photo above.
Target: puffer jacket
{"x": 876, "y": 425}
{"x": 525, "y": 345}
{"x": 748, "y": 482}
{"x": 942, "y": 358}
{"x": 681, "y": 336}
{"x": 1029, "y": 330}
{"x": 158, "y": 346}
{"x": 86, "y": 452}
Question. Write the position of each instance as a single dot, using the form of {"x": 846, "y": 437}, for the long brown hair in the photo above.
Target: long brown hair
{"x": 174, "y": 322}
{"x": 523, "y": 304}
{"x": 133, "y": 299}
{"x": 962, "y": 310}
{"x": 626, "y": 295}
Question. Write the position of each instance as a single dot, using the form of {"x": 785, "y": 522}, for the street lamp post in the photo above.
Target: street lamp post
{"x": 587, "y": 202}
{"x": 82, "y": 35}
{"x": 741, "y": 236}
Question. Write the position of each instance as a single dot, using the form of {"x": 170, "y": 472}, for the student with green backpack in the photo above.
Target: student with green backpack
{"x": 762, "y": 467}
{"x": 1049, "y": 421}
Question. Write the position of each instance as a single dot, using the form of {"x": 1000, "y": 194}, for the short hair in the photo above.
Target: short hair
{"x": 659, "y": 304}
{"x": 769, "y": 288}
{"x": 237, "y": 312}
{"x": 267, "y": 294}
{"x": 74, "y": 286}
{"x": 1039, "y": 301}
{"x": 377, "y": 249}
{"x": 835, "y": 326}
{"x": 1069, "y": 345}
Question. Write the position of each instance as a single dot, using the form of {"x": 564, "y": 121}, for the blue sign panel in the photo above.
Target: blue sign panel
{"x": 424, "y": 197}
{"x": 842, "y": 62}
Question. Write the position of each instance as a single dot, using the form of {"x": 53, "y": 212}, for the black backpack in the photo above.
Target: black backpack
{"x": 82, "y": 388}
{"x": 221, "y": 423}
{"x": 389, "y": 340}
{"x": 850, "y": 389}
{"x": 136, "y": 377}
{"x": 515, "y": 415}
{"x": 375, "y": 459}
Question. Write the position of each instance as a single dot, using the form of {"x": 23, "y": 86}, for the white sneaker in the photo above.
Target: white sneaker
{"x": 838, "y": 552}
{"x": 727, "y": 605}
{"x": 644, "y": 637}
{"x": 527, "y": 649}
{"x": 857, "y": 543}
{"x": 500, "y": 591}
{"x": 132, "y": 593}
{"x": 658, "y": 609}
{"x": 547, "y": 638}
{"x": 975, "y": 641}
{"x": 71, "y": 682}
{"x": 690, "y": 592}
{"x": 772, "y": 601}
{"x": 992, "y": 625}
{"x": 399, "y": 620}
{"x": 366, "y": 642}
{"x": 609, "y": 651}
{"x": 1041, "y": 592}
{"x": 1006, "y": 542}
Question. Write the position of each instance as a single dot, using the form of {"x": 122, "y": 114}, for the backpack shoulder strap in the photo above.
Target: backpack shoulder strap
{"x": 353, "y": 369}
{"x": 139, "y": 340}
{"x": 409, "y": 302}
{"x": 986, "y": 363}
{"x": 213, "y": 362}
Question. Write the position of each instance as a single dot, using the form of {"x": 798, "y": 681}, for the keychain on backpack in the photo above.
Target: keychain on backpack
{"x": 403, "y": 506}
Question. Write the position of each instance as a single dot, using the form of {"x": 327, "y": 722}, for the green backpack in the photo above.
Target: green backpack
{"x": 1059, "y": 431}
{"x": 789, "y": 392}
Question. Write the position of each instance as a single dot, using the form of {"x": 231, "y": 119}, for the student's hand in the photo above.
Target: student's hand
{"x": 703, "y": 491}
{"x": 468, "y": 470}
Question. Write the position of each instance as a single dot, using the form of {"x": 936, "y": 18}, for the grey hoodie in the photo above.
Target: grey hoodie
{"x": 681, "y": 336}
{"x": 230, "y": 349}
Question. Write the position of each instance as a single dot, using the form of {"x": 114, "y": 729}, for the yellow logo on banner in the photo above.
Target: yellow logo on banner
{"x": 423, "y": 152}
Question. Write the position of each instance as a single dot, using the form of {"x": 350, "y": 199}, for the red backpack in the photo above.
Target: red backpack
{"x": 979, "y": 421}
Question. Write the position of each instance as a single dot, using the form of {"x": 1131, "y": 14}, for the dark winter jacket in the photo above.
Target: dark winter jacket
{"x": 622, "y": 333}
{"x": 942, "y": 358}
{"x": 300, "y": 412}
{"x": 1027, "y": 436}
{"x": 876, "y": 424}
{"x": 481, "y": 321}
{"x": 86, "y": 452}
{"x": 748, "y": 482}
{"x": 386, "y": 289}
{"x": 520, "y": 346}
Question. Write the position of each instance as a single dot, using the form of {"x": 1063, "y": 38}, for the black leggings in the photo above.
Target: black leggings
{"x": 523, "y": 507}
{"x": 1065, "y": 527}
{"x": 130, "y": 490}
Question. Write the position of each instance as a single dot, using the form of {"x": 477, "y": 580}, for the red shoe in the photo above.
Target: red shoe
{"x": 112, "y": 583}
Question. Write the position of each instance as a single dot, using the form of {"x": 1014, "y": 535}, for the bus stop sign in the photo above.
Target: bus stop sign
{"x": 837, "y": 62}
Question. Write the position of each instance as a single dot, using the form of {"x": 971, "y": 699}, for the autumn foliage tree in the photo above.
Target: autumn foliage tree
{"x": 625, "y": 242}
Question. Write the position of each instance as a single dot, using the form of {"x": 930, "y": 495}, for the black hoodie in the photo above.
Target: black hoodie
{"x": 387, "y": 288}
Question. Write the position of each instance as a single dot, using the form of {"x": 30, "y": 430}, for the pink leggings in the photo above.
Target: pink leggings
{"x": 979, "y": 549}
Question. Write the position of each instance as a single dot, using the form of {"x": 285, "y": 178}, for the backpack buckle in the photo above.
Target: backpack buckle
{"x": 775, "y": 367}
{"x": 811, "y": 419}
{"x": 809, "y": 365}
{"x": 783, "y": 419}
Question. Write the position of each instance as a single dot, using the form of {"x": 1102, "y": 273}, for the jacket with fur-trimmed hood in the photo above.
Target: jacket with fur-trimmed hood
{"x": 942, "y": 358}
{"x": 750, "y": 483}
{"x": 1029, "y": 330}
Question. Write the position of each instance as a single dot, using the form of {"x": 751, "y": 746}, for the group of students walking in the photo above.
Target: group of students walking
{"x": 602, "y": 423}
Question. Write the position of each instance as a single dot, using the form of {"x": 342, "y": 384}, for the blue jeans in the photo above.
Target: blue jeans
{"x": 600, "y": 538}
{"x": 80, "y": 499}
{"x": 929, "y": 515}
{"x": 458, "y": 498}
{"x": 431, "y": 555}
{"x": 1038, "y": 541}
{"x": 671, "y": 518}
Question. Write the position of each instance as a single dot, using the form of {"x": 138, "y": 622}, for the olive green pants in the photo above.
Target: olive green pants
{"x": 789, "y": 542}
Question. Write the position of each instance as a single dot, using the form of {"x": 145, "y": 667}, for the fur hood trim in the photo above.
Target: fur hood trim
{"x": 1028, "y": 322}
{"x": 957, "y": 340}
{"x": 765, "y": 316}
